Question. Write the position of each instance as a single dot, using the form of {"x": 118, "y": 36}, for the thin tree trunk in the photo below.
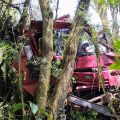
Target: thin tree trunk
{"x": 47, "y": 54}
{"x": 23, "y": 18}
{"x": 57, "y": 7}
{"x": 63, "y": 86}
{"x": 103, "y": 16}
{"x": 101, "y": 9}
{"x": 115, "y": 27}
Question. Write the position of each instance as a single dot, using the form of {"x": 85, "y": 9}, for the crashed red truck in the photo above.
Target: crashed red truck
{"x": 85, "y": 71}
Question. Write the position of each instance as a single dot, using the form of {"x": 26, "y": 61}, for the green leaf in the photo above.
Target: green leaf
{"x": 43, "y": 111}
{"x": 116, "y": 45}
{"x": 17, "y": 107}
{"x": 113, "y": 2}
{"x": 101, "y": 2}
{"x": 34, "y": 108}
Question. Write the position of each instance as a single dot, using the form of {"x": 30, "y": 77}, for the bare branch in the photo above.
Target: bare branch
{"x": 57, "y": 9}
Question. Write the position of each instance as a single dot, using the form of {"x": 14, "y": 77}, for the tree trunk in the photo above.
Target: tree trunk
{"x": 63, "y": 86}
{"x": 47, "y": 54}
{"x": 101, "y": 9}
{"x": 103, "y": 16}
{"x": 57, "y": 7}
{"x": 115, "y": 26}
{"x": 23, "y": 18}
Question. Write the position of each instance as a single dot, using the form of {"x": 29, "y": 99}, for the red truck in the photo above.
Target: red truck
{"x": 86, "y": 70}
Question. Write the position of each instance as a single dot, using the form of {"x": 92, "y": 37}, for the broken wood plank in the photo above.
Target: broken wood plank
{"x": 96, "y": 98}
{"x": 98, "y": 108}
{"x": 81, "y": 102}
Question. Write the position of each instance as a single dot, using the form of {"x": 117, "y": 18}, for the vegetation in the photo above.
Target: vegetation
{"x": 51, "y": 98}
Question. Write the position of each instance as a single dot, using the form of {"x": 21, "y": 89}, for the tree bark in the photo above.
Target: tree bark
{"x": 115, "y": 26}
{"x": 103, "y": 16}
{"x": 23, "y": 18}
{"x": 47, "y": 54}
{"x": 57, "y": 7}
{"x": 63, "y": 86}
{"x": 101, "y": 9}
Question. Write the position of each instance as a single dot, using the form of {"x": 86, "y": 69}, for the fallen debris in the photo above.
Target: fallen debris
{"x": 89, "y": 105}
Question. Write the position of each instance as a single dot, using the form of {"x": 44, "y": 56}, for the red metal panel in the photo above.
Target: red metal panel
{"x": 28, "y": 84}
{"x": 86, "y": 84}
{"x": 30, "y": 35}
{"x": 90, "y": 76}
{"x": 89, "y": 87}
{"x": 107, "y": 60}
{"x": 114, "y": 80}
{"x": 61, "y": 23}
{"x": 90, "y": 61}
{"x": 85, "y": 76}
{"x": 65, "y": 18}
{"x": 86, "y": 62}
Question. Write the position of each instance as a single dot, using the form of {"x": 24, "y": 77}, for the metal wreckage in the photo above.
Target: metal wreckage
{"x": 85, "y": 71}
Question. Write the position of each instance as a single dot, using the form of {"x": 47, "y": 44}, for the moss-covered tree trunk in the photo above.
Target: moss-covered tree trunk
{"x": 61, "y": 91}
{"x": 23, "y": 19}
{"x": 63, "y": 87}
{"x": 101, "y": 9}
{"x": 47, "y": 54}
{"x": 115, "y": 26}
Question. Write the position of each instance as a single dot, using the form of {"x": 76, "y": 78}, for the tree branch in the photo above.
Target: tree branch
{"x": 23, "y": 19}
{"x": 11, "y": 5}
{"x": 57, "y": 9}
